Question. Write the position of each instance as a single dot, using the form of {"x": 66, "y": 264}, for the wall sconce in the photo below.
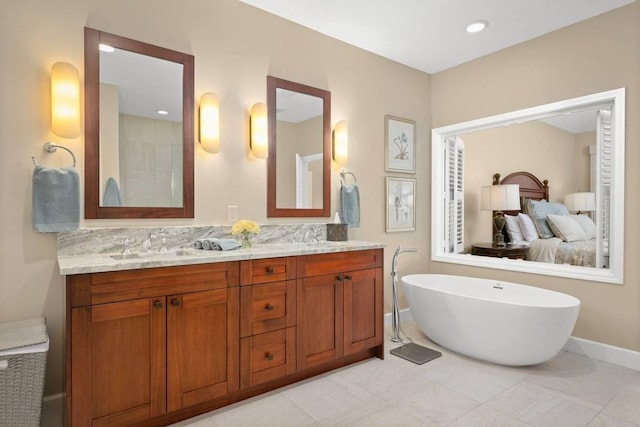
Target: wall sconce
{"x": 209, "y": 123}
{"x": 65, "y": 100}
{"x": 259, "y": 139}
{"x": 341, "y": 143}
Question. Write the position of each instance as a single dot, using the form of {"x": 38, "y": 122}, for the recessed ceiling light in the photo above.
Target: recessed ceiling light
{"x": 105, "y": 47}
{"x": 162, "y": 112}
{"x": 477, "y": 26}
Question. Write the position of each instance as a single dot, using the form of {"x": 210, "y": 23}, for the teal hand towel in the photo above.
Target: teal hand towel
{"x": 56, "y": 199}
{"x": 111, "y": 193}
{"x": 350, "y": 205}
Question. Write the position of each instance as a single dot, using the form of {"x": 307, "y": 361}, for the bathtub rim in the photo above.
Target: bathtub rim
{"x": 575, "y": 301}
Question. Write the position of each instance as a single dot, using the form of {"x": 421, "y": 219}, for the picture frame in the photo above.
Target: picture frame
{"x": 400, "y": 145}
{"x": 401, "y": 204}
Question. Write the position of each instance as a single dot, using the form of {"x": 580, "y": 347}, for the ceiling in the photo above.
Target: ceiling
{"x": 430, "y": 35}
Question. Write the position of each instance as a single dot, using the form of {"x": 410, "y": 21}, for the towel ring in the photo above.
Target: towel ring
{"x": 344, "y": 173}
{"x": 50, "y": 147}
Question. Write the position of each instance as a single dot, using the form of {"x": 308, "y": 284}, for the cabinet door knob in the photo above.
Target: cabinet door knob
{"x": 175, "y": 302}
{"x": 340, "y": 277}
{"x": 269, "y": 307}
{"x": 270, "y": 270}
{"x": 157, "y": 304}
{"x": 268, "y": 356}
{"x": 348, "y": 277}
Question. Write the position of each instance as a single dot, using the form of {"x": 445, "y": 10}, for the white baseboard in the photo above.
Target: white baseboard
{"x": 592, "y": 349}
{"x": 405, "y": 316}
{"x": 604, "y": 352}
{"x": 53, "y": 410}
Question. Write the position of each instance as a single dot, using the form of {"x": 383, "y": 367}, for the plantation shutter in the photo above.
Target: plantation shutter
{"x": 603, "y": 181}
{"x": 454, "y": 195}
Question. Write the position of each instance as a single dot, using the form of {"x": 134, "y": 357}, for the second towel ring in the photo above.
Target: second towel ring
{"x": 50, "y": 147}
{"x": 344, "y": 173}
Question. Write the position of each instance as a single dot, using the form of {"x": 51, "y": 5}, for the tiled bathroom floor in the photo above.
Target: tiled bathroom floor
{"x": 453, "y": 390}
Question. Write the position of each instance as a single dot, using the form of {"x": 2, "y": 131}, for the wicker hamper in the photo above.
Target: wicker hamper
{"x": 23, "y": 357}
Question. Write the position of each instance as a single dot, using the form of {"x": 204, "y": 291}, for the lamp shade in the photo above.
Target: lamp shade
{"x": 209, "y": 123}
{"x": 259, "y": 140}
{"x": 341, "y": 143}
{"x": 500, "y": 197}
{"x": 65, "y": 100}
{"x": 580, "y": 202}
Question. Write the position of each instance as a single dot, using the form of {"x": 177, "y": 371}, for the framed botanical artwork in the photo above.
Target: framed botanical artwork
{"x": 400, "y": 145}
{"x": 401, "y": 204}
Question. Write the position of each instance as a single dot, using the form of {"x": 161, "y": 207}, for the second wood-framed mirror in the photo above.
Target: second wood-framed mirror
{"x": 299, "y": 163}
{"x": 139, "y": 105}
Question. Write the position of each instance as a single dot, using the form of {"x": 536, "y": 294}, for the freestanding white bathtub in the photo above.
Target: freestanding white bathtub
{"x": 491, "y": 320}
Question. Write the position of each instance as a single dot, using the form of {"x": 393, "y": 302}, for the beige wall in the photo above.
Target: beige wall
{"x": 600, "y": 54}
{"x": 235, "y": 48}
{"x": 546, "y": 151}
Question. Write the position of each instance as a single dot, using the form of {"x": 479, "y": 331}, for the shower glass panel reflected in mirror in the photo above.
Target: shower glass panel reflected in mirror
{"x": 140, "y": 130}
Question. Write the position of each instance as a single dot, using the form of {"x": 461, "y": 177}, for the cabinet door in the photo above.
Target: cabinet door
{"x": 319, "y": 320}
{"x": 363, "y": 326}
{"x": 202, "y": 346}
{"x": 118, "y": 363}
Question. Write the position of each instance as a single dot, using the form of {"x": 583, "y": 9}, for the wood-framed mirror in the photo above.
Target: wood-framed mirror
{"x": 139, "y": 118}
{"x": 299, "y": 162}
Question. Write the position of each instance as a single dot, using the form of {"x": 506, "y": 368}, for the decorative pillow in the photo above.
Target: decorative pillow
{"x": 587, "y": 224}
{"x": 538, "y": 210}
{"x": 527, "y": 227}
{"x": 513, "y": 228}
{"x": 565, "y": 227}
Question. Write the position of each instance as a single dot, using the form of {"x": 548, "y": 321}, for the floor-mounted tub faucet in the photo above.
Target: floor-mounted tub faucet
{"x": 395, "y": 314}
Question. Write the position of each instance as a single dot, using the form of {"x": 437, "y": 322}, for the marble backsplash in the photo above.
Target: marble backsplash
{"x": 111, "y": 240}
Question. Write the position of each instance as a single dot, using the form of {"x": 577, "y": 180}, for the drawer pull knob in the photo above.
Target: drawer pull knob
{"x": 157, "y": 304}
{"x": 268, "y": 356}
{"x": 269, "y": 307}
{"x": 175, "y": 302}
{"x": 270, "y": 270}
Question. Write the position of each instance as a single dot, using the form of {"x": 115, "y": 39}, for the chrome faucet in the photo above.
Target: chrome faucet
{"x": 395, "y": 314}
{"x": 125, "y": 246}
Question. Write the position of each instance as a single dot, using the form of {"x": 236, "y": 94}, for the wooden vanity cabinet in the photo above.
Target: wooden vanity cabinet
{"x": 142, "y": 343}
{"x": 154, "y": 346}
{"x": 339, "y": 304}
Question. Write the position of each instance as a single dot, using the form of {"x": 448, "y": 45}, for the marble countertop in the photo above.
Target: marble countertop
{"x": 101, "y": 262}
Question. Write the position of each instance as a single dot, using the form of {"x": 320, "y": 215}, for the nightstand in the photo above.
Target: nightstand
{"x": 509, "y": 251}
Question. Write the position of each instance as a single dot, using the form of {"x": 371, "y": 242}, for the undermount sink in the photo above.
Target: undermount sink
{"x": 135, "y": 255}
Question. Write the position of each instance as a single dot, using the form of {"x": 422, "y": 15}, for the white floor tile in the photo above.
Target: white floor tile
{"x": 485, "y": 416}
{"x": 542, "y": 407}
{"x": 626, "y": 404}
{"x": 604, "y": 420}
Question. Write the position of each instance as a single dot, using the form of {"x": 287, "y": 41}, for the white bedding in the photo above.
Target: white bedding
{"x": 554, "y": 250}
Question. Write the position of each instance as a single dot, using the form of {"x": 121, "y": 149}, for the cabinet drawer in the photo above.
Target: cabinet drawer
{"x": 100, "y": 288}
{"x": 268, "y": 356}
{"x": 315, "y": 265}
{"x": 267, "y": 270}
{"x": 267, "y": 307}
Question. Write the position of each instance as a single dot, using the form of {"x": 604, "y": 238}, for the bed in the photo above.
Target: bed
{"x": 558, "y": 241}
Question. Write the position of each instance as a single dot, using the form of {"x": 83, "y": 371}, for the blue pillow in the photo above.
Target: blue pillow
{"x": 538, "y": 211}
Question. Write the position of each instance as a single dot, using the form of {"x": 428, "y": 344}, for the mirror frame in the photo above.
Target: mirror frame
{"x": 274, "y": 83}
{"x": 615, "y": 272}
{"x": 92, "y": 208}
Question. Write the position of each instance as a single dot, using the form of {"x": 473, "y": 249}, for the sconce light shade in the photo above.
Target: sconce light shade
{"x": 209, "y": 123}
{"x": 580, "y": 202}
{"x": 341, "y": 143}
{"x": 259, "y": 139}
{"x": 65, "y": 100}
